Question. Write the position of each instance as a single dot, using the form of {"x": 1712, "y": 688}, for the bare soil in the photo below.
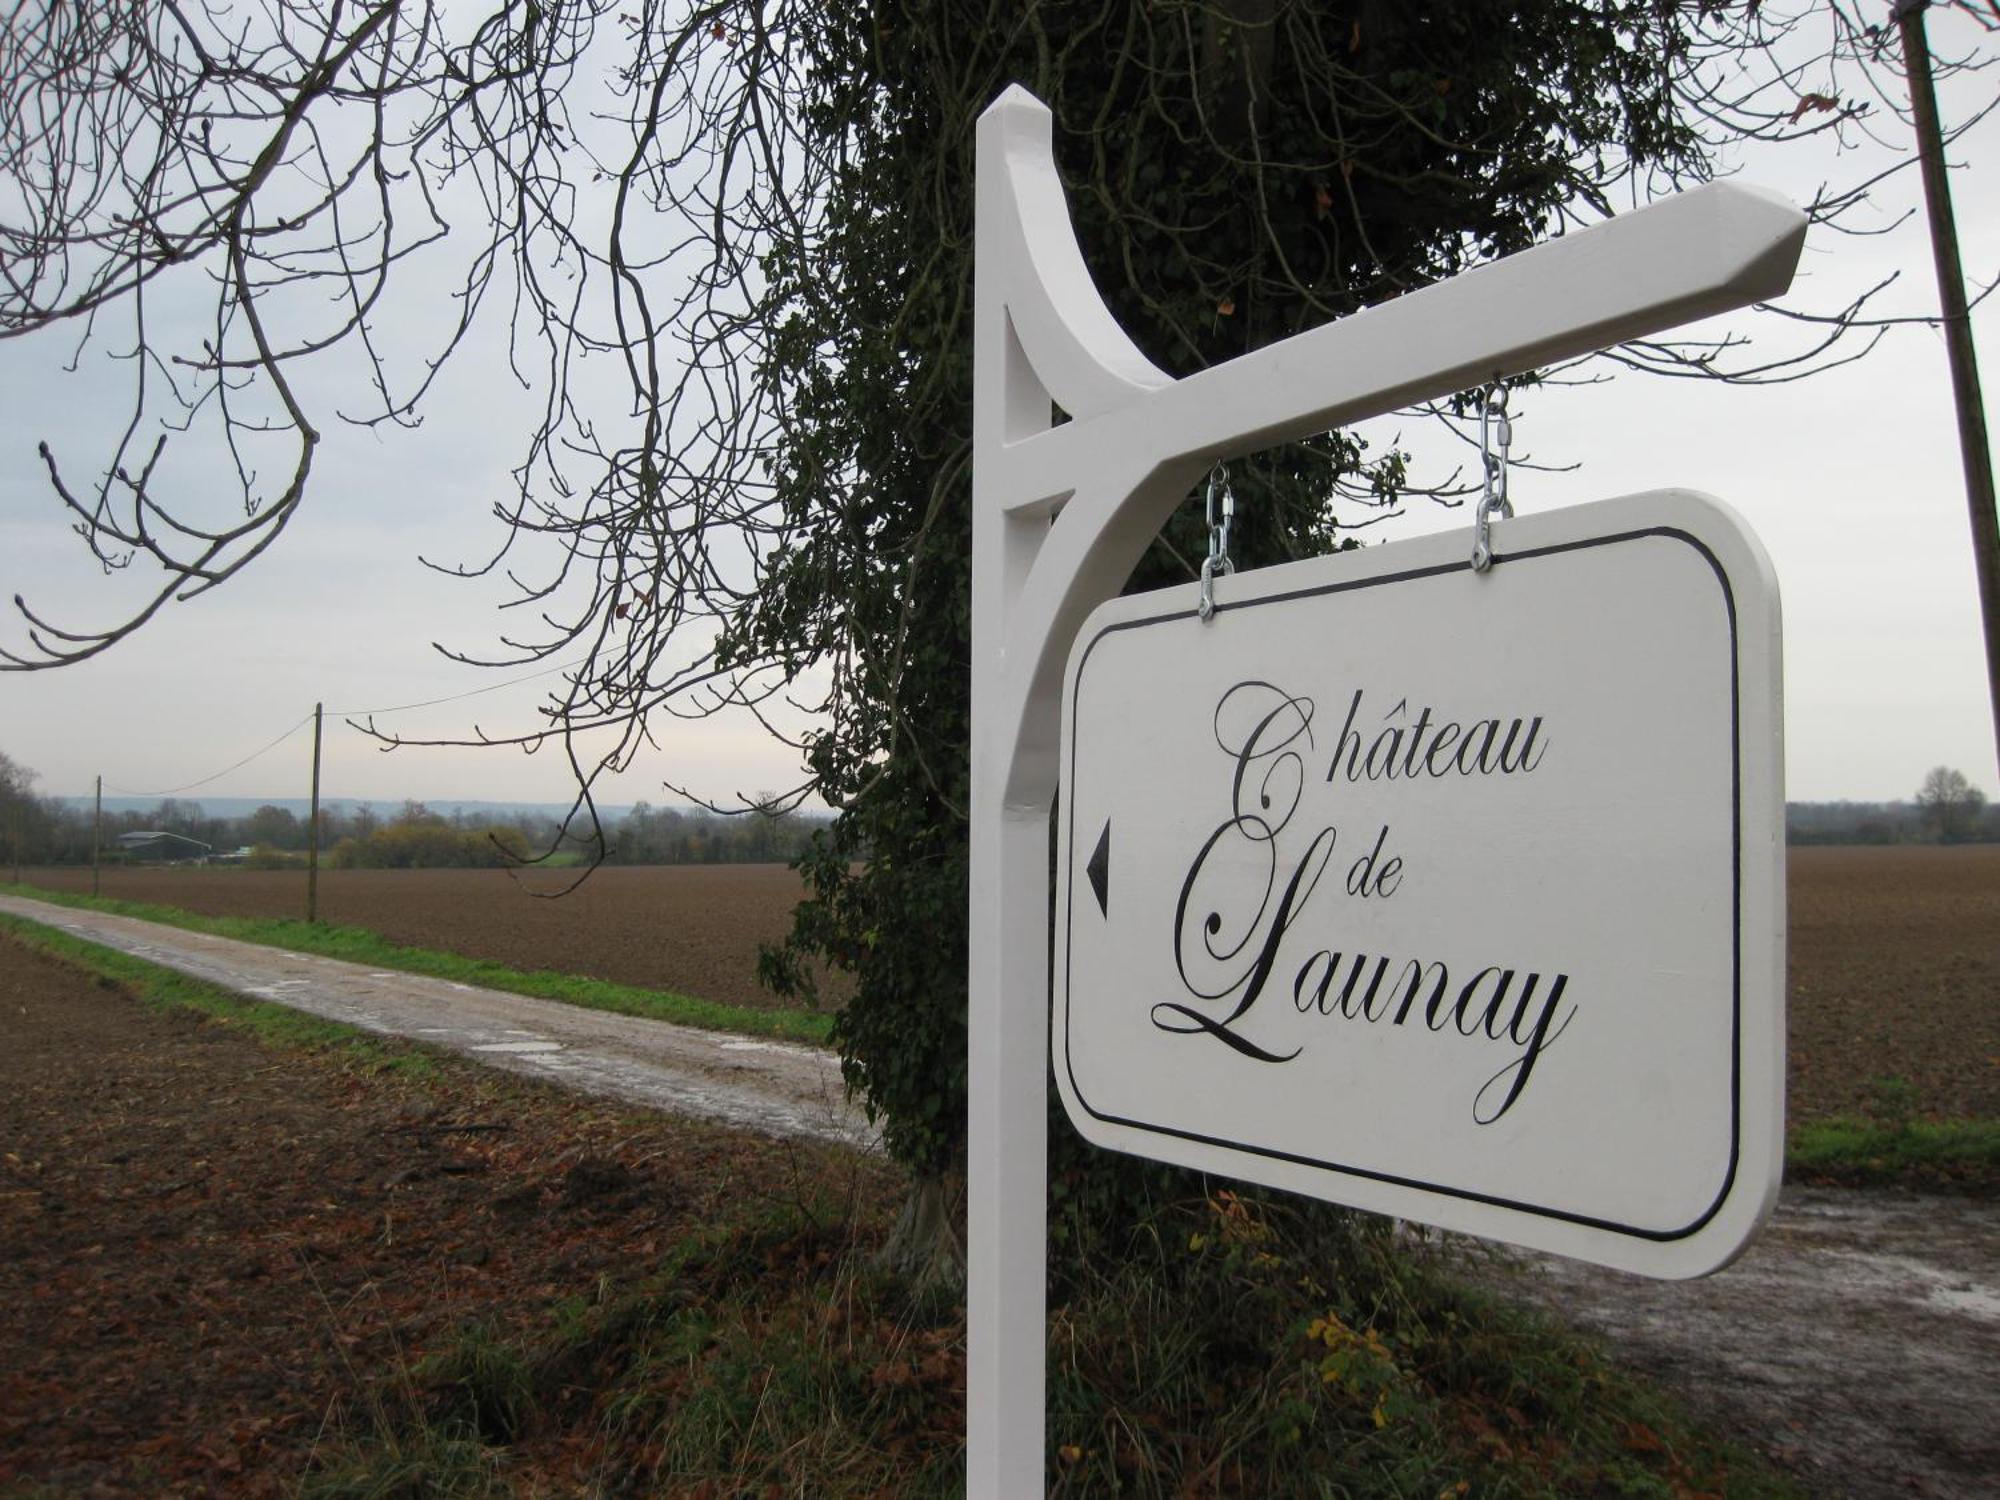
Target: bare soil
{"x": 211, "y": 1252}
{"x": 1895, "y": 953}
{"x": 1895, "y": 972}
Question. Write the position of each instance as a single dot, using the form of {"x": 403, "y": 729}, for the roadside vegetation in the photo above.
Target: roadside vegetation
{"x": 1894, "y": 1143}
{"x": 1961, "y": 1154}
{"x": 1207, "y": 1356}
{"x": 742, "y": 1342}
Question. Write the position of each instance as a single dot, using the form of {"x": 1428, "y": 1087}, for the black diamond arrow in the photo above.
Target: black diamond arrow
{"x": 1099, "y": 870}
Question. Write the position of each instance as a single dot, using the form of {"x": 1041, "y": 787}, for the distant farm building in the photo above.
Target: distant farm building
{"x": 159, "y": 845}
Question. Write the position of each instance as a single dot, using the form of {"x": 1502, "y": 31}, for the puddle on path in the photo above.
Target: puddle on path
{"x": 522, "y": 1048}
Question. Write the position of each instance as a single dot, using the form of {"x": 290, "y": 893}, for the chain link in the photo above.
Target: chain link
{"x": 1221, "y": 511}
{"x": 1496, "y": 435}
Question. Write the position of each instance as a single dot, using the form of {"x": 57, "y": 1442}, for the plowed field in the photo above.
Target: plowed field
{"x": 219, "y": 1260}
{"x": 1895, "y": 953}
{"x": 694, "y": 929}
{"x": 1895, "y": 971}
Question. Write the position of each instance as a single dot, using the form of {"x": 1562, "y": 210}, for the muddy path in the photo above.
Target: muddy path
{"x": 777, "y": 1088}
{"x": 1857, "y": 1342}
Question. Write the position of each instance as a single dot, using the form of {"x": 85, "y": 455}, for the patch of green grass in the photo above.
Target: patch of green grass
{"x": 1957, "y": 1153}
{"x": 1895, "y": 1145}
{"x": 356, "y": 945}
{"x": 765, "y": 1357}
{"x": 482, "y": 1384}
{"x": 167, "y": 989}
{"x": 419, "y": 1067}
{"x": 1893, "y": 1101}
{"x": 405, "y": 1463}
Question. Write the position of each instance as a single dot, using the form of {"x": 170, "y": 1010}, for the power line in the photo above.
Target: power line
{"x": 350, "y": 713}
{"x": 491, "y": 687}
{"x": 218, "y": 775}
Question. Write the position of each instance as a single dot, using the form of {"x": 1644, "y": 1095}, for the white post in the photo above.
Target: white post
{"x": 1061, "y": 514}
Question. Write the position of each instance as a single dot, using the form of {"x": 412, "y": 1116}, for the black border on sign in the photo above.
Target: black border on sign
{"x": 1672, "y": 533}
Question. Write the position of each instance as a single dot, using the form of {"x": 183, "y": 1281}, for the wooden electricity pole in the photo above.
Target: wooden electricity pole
{"x": 96, "y": 836}
{"x": 1973, "y": 448}
{"x": 312, "y": 829}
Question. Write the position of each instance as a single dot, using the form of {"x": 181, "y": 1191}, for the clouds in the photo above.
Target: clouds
{"x": 1852, "y": 479}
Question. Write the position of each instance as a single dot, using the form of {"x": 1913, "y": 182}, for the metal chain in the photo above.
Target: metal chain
{"x": 1218, "y": 560}
{"x": 1493, "y": 458}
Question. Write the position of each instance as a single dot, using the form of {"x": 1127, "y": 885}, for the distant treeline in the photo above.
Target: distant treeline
{"x": 49, "y": 831}
{"x": 1884, "y": 823}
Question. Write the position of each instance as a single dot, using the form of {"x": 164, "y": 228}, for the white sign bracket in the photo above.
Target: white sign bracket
{"x": 1062, "y": 513}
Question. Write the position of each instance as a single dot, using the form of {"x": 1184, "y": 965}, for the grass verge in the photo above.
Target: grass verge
{"x": 356, "y": 945}
{"x": 1959, "y": 1154}
{"x": 1229, "y": 1348}
{"x": 168, "y": 989}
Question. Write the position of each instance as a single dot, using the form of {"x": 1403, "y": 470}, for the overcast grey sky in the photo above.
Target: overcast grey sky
{"x": 1852, "y": 479}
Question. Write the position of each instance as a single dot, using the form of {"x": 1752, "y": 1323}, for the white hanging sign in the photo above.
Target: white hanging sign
{"x": 1450, "y": 895}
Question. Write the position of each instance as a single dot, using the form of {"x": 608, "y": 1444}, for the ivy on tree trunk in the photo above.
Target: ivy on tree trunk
{"x": 1238, "y": 170}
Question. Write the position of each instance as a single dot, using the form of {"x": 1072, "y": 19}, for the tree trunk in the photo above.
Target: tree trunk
{"x": 1238, "y": 48}
{"x": 926, "y": 1249}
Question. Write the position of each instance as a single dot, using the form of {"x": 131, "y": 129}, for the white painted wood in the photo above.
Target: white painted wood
{"x": 1136, "y": 443}
{"x": 1452, "y": 896}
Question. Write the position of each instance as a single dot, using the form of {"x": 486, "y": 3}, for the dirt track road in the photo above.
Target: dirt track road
{"x": 1858, "y": 1341}
{"x": 777, "y": 1088}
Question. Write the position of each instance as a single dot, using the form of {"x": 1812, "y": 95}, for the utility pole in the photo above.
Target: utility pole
{"x": 96, "y": 835}
{"x": 1973, "y": 448}
{"x": 312, "y": 829}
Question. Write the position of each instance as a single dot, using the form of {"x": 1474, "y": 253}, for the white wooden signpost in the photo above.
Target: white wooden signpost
{"x": 1445, "y": 893}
